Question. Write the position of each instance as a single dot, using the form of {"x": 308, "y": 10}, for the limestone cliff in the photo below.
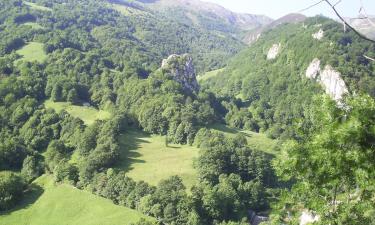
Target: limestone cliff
{"x": 181, "y": 68}
{"x": 333, "y": 83}
{"x": 274, "y": 51}
{"x": 329, "y": 78}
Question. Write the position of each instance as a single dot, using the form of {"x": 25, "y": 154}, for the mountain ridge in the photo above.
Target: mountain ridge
{"x": 207, "y": 15}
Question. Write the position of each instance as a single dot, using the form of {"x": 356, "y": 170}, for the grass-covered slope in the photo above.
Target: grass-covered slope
{"x": 63, "y": 204}
{"x": 256, "y": 141}
{"x": 87, "y": 114}
{"x": 148, "y": 158}
{"x": 33, "y": 51}
{"x": 277, "y": 91}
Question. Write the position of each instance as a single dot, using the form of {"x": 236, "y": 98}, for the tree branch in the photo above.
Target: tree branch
{"x": 369, "y": 58}
{"x": 364, "y": 12}
{"x": 346, "y": 23}
{"x": 311, "y": 6}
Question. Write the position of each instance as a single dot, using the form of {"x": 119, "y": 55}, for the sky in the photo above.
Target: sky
{"x": 278, "y": 8}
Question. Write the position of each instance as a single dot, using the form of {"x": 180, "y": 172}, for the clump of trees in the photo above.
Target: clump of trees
{"x": 11, "y": 189}
{"x": 333, "y": 166}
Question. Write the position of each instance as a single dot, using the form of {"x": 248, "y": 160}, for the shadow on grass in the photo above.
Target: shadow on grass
{"x": 130, "y": 142}
{"x": 225, "y": 129}
{"x": 30, "y": 197}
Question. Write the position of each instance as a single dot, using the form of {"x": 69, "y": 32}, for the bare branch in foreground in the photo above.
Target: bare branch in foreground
{"x": 346, "y": 23}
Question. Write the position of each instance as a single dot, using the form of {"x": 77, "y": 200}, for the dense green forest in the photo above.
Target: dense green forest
{"x": 76, "y": 77}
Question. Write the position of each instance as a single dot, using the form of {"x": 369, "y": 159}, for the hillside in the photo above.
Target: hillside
{"x": 208, "y": 16}
{"x": 154, "y": 112}
{"x": 63, "y": 204}
{"x": 253, "y": 35}
{"x": 365, "y": 26}
{"x": 272, "y": 76}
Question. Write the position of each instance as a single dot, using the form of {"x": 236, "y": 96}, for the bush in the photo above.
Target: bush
{"x": 11, "y": 190}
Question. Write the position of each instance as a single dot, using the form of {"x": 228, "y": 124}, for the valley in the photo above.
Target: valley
{"x": 182, "y": 112}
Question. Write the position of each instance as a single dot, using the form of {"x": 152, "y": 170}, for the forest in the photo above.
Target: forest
{"x": 81, "y": 88}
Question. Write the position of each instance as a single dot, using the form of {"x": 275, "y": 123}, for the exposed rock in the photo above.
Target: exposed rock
{"x": 314, "y": 69}
{"x": 308, "y": 218}
{"x": 254, "y": 219}
{"x": 181, "y": 68}
{"x": 274, "y": 51}
{"x": 333, "y": 84}
{"x": 318, "y": 35}
{"x": 330, "y": 79}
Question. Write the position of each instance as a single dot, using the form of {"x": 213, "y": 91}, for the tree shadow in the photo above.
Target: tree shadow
{"x": 31, "y": 195}
{"x": 130, "y": 142}
{"x": 225, "y": 129}
{"x": 229, "y": 130}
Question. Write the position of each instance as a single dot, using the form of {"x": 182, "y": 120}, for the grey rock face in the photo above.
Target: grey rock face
{"x": 333, "y": 83}
{"x": 181, "y": 68}
{"x": 314, "y": 69}
{"x": 330, "y": 79}
{"x": 274, "y": 51}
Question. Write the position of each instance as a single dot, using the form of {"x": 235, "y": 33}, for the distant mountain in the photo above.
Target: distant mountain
{"x": 364, "y": 26}
{"x": 253, "y": 35}
{"x": 206, "y": 15}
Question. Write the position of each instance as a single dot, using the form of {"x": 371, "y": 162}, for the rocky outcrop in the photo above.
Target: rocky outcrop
{"x": 333, "y": 83}
{"x": 308, "y": 218}
{"x": 329, "y": 78}
{"x": 274, "y": 51}
{"x": 314, "y": 69}
{"x": 254, "y": 219}
{"x": 181, "y": 68}
{"x": 318, "y": 35}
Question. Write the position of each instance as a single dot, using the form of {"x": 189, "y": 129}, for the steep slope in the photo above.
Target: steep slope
{"x": 278, "y": 76}
{"x": 62, "y": 204}
{"x": 205, "y": 15}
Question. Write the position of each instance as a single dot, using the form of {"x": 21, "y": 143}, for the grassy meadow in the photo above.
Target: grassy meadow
{"x": 36, "y": 6}
{"x": 87, "y": 114}
{"x": 33, "y": 51}
{"x": 33, "y": 25}
{"x": 146, "y": 157}
{"x": 51, "y": 204}
{"x": 255, "y": 140}
{"x": 209, "y": 75}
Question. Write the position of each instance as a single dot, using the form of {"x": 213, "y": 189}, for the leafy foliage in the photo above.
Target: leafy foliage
{"x": 334, "y": 165}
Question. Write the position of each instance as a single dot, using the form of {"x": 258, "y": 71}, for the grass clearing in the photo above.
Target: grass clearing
{"x": 33, "y": 25}
{"x": 145, "y": 157}
{"x": 257, "y": 141}
{"x": 33, "y": 51}
{"x": 36, "y": 6}
{"x": 126, "y": 10}
{"x": 209, "y": 74}
{"x": 87, "y": 114}
{"x": 64, "y": 204}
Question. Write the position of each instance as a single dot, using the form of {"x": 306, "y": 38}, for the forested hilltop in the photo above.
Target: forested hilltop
{"x": 103, "y": 119}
